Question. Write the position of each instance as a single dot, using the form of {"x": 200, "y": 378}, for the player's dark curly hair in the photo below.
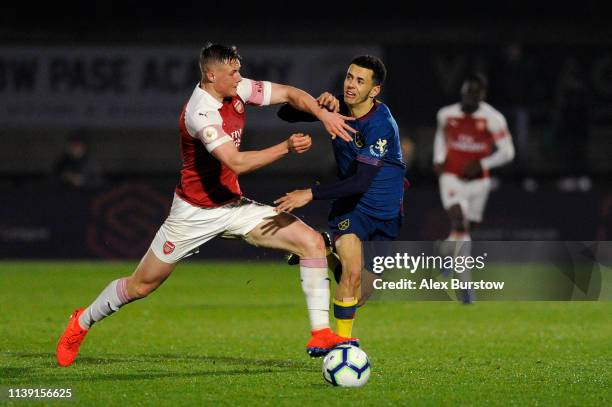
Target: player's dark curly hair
{"x": 218, "y": 53}
{"x": 477, "y": 77}
{"x": 373, "y": 63}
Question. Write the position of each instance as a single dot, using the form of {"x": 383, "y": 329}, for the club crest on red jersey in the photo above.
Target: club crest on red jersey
{"x": 238, "y": 106}
{"x": 168, "y": 247}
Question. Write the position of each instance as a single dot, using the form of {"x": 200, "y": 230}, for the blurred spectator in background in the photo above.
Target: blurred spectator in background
{"x": 512, "y": 76}
{"x": 570, "y": 127}
{"x": 76, "y": 168}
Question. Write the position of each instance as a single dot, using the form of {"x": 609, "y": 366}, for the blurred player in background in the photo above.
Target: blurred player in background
{"x": 368, "y": 195}
{"x": 471, "y": 138}
{"x": 208, "y": 201}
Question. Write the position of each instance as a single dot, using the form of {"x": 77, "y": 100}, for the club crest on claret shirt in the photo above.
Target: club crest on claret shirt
{"x": 379, "y": 149}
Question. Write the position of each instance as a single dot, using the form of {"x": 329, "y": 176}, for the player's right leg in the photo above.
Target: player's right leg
{"x": 185, "y": 229}
{"x": 454, "y": 195}
{"x": 150, "y": 274}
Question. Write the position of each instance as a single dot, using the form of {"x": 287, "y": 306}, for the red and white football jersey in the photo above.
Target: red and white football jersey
{"x": 470, "y": 136}
{"x": 204, "y": 124}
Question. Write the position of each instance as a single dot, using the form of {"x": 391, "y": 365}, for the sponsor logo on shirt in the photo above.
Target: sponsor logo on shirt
{"x": 467, "y": 144}
{"x": 359, "y": 140}
{"x": 344, "y": 224}
{"x": 236, "y": 137}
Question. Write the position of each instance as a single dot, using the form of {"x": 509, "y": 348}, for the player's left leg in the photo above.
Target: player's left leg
{"x": 386, "y": 231}
{"x": 348, "y": 291}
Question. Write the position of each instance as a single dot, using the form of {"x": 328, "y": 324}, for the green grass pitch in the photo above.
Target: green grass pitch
{"x": 234, "y": 333}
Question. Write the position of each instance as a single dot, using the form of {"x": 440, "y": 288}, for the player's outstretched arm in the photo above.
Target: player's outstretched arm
{"x": 246, "y": 161}
{"x": 290, "y": 114}
{"x": 357, "y": 184}
{"x": 333, "y": 122}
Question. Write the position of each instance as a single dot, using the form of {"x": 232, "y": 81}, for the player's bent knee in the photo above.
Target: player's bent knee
{"x": 311, "y": 244}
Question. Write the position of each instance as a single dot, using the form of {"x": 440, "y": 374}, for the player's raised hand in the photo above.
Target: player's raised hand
{"x": 329, "y": 101}
{"x": 335, "y": 124}
{"x": 299, "y": 143}
{"x": 293, "y": 200}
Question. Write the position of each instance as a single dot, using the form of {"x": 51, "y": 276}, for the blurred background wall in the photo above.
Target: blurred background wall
{"x": 106, "y": 81}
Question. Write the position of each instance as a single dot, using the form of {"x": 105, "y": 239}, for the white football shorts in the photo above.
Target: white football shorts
{"x": 188, "y": 227}
{"x": 470, "y": 195}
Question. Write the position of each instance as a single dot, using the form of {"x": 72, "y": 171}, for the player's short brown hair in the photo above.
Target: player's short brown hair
{"x": 217, "y": 53}
{"x": 375, "y": 64}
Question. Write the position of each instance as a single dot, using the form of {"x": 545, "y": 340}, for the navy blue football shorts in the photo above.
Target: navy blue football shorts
{"x": 366, "y": 227}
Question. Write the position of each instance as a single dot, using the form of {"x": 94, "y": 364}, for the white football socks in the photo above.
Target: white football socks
{"x": 315, "y": 284}
{"x": 113, "y": 297}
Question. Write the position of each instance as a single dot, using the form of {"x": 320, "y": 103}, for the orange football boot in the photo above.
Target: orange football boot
{"x": 324, "y": 340}
{"x": 69, "y": 343}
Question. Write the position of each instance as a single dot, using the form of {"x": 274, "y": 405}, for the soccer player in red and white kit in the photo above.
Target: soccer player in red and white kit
{"x": 208, "y": 201}
{"x": 472, "y": 137}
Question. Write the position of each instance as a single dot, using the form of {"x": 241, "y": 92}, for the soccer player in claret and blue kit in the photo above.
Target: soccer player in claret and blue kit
{"x": 368, "y": 195}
